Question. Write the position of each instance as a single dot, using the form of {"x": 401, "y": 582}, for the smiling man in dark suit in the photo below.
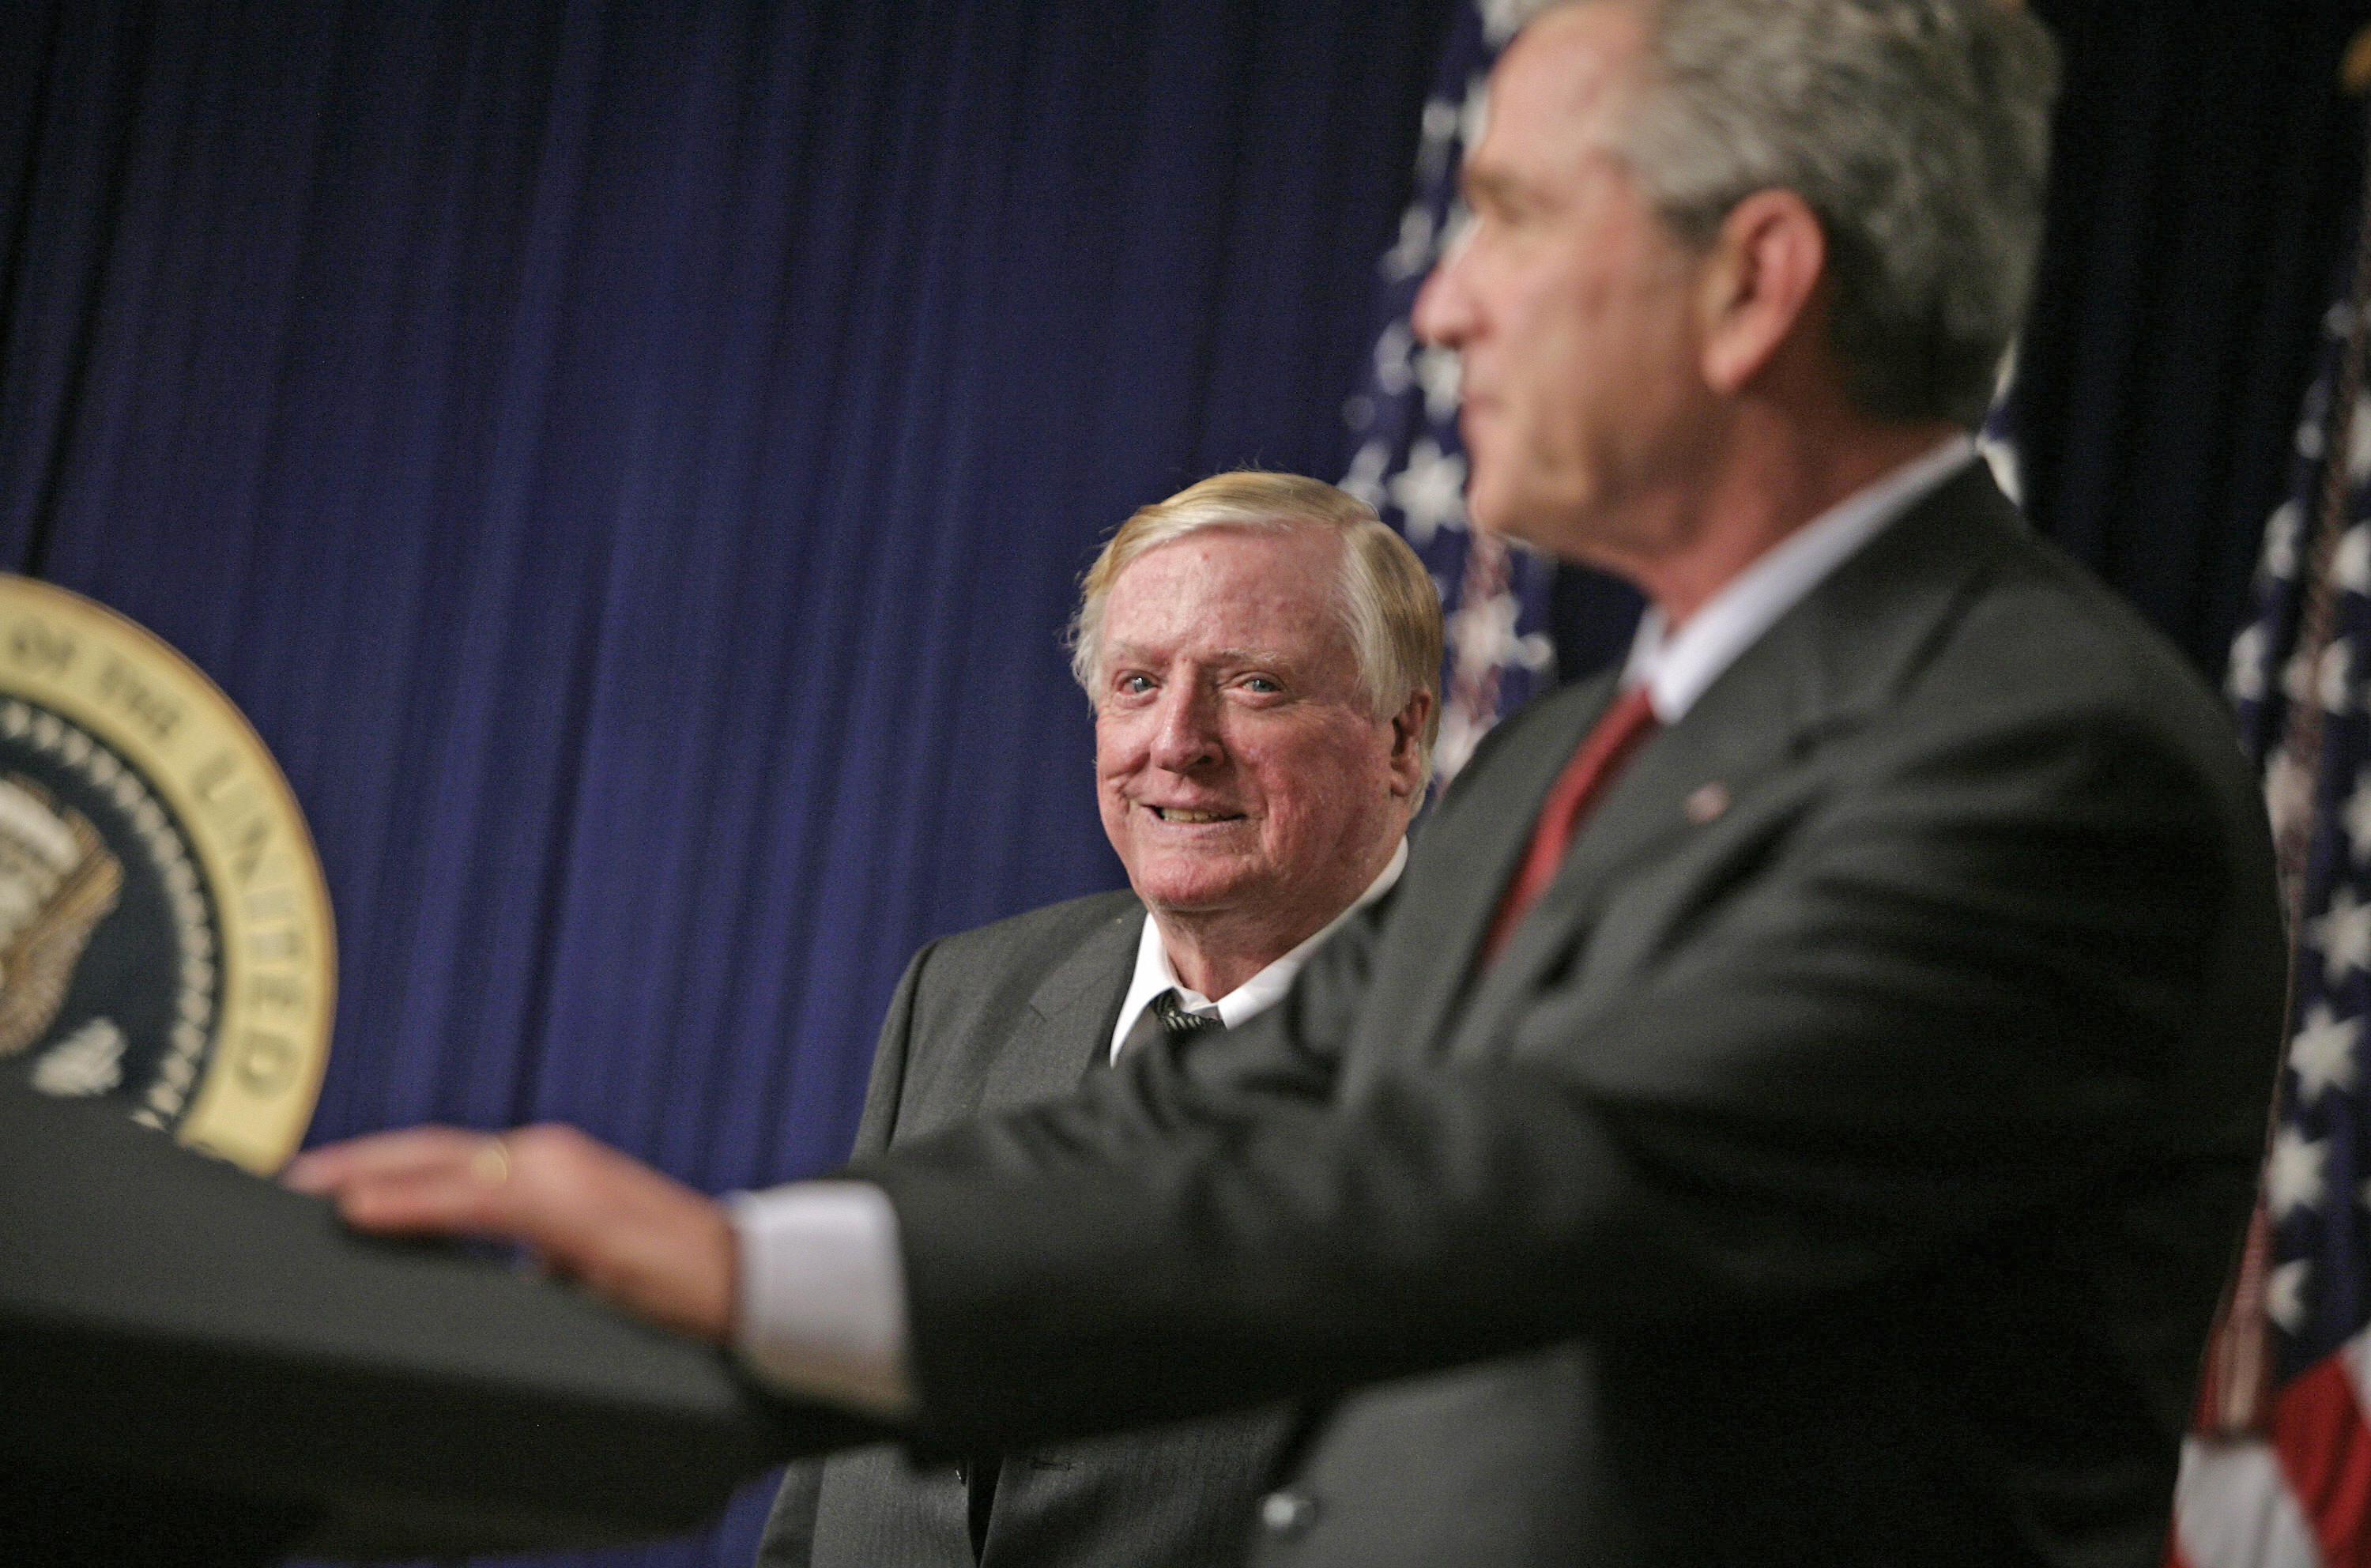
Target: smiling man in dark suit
{"x": 1261, "y": 653}
{"x": 1800, "y": 1101}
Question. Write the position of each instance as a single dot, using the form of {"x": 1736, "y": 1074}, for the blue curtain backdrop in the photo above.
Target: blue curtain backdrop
{"x": 2206, "y": 160}
{"x": 631, "y": 462}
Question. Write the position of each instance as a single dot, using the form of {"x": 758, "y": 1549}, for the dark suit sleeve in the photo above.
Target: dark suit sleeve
{"x": 789, "y": 1539}
{"x": 1988, "y": 962}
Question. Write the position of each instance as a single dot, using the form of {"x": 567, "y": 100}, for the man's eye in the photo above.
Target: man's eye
{"x": 1135, "y": 686}
{"x": 1260, "y": 683}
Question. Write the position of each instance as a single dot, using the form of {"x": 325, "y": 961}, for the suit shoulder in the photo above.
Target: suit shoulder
{"x": 2046, "y": 627}
{"x": 1004, "y": 1014}
{"x": 2044, "y": 667}
{"x": 1051, "y": 929}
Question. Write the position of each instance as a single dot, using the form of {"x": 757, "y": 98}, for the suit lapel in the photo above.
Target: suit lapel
{"x": 1820, "y": 672}
{"x": 1462, "y": 859}
{"x": 1069, "y": 1019}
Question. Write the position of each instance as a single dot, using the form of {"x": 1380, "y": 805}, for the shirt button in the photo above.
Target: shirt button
{"x": 1286, "y": 1513}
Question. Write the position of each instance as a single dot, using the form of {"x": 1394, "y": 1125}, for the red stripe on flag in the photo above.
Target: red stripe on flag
{"x": 2318, "y": 1434}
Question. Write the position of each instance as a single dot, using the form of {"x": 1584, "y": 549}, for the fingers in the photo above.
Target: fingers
{"x": 627, "y": 1232}
{"x": 630, "y": 1234}
{"x": 335, "y": 1166}
{"x": 441, "y": 1180}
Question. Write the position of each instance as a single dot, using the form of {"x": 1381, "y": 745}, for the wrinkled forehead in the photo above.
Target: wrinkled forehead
{"x": 1276, "y": 591}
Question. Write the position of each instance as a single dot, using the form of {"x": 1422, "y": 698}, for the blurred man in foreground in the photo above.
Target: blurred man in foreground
{"x": 1261, "y": 653}
{"x": 1799, "y": 1105}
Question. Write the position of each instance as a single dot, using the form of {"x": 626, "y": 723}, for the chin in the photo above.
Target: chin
{"x": 1510, "y": 520}
{"x": 1189, "y": 895}
{"x": 1570, "y": 526}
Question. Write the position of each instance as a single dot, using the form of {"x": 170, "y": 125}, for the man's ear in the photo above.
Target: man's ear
{"x": 1758, "y": 284}
{"x": 1407, "y": 743}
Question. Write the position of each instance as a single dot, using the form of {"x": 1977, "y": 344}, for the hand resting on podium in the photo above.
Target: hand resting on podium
{"x": 630, "y": 1234}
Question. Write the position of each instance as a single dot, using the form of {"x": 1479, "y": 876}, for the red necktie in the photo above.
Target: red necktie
{"x": 1600, "y": 757}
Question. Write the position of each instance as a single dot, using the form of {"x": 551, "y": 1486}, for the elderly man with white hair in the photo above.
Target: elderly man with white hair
{"x": 1262, "y": 655}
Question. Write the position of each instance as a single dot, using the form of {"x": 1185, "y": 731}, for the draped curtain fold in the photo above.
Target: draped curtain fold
{"x": 2204, "y": 158}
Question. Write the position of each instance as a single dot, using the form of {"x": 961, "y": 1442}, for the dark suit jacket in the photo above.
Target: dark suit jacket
{"x": 1006, "y": 1016}
{"x": 1837, "y": 1168}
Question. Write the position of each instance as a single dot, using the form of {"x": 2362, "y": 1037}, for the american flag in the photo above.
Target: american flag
{"x": 2278, "y": 1472}
{"x": 1410, "y": 465}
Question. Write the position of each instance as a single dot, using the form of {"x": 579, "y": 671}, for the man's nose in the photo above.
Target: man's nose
{"x": 1442, "y": 311}
{"x": 1185, "y": 728}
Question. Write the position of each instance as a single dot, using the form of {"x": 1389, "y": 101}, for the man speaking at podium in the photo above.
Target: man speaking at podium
{"x": 1799, "y": 1105}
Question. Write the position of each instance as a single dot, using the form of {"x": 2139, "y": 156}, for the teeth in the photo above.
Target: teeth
{"x": 1174, "y": 814}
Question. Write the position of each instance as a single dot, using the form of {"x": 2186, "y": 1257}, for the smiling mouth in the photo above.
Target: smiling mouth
{"x": 1180, "y": 814}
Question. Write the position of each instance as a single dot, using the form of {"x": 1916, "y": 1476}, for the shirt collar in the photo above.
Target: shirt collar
{"x": 1677, "y": 668}
{"x": 1254, "y": 996}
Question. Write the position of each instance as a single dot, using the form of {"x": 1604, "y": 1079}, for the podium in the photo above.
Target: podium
{"x": 198, "y": 1367}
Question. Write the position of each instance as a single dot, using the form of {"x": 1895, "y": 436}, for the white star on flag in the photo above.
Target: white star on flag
{"x": 1365, "y": 479}
{"x": 2309, "y": 430}
{"x": 1437, "y": 137}
{"x": 2246, "y": 681}
{"x": 2284, "y": 1294}
{"x": 2356, "y": 817}
{"x": 2343, "y": 935}
{"x": 2337, "y": 691}
{"x": 2294, "y": 1177}
{"x": 2281, "y": 535}
{"x": 1430, "y": 492}
{"x": 1486, "y": 634}
{"x": 1393, "y": 375}
{"x": 1440, "y": 371}
{"x": 2322, "y": 1055}
{"x": 2352, "y": 567}
{"x": 1414, "y": 253}
{"x": 2296, "y": 677}
{"x": 1473, "y": 112}
{"x": 2288, "y": 793}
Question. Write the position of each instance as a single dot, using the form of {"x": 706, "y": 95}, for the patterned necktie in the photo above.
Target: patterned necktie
{"x": 1164, "y": 1019}
{"x": 1608, "y": 745}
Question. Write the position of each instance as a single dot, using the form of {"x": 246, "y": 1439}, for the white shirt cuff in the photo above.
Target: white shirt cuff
{"x": 822, "y": 1293}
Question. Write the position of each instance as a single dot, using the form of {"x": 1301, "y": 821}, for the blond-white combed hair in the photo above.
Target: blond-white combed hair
{"x": 1388, "y": 603}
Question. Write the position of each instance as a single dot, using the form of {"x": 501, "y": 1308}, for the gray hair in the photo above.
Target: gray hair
{"x": 1918, "y": 130}
{"x": 1385, "y": 597}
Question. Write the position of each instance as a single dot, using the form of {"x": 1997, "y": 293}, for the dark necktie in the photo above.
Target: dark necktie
{"x": 1609, "y": 744}
{"x": 1164, "y": 1019}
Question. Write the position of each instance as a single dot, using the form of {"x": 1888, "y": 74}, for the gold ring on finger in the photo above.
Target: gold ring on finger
{"x": 491, "y": 1164}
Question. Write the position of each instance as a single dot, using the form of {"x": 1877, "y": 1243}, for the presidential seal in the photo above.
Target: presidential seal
{"x": 165, "y": 935}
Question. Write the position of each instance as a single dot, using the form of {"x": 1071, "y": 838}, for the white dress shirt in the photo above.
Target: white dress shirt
{"x": 822, "y": 1289}
{"x": 1677, "y": 667}
{"x": 1254, "y": 996}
